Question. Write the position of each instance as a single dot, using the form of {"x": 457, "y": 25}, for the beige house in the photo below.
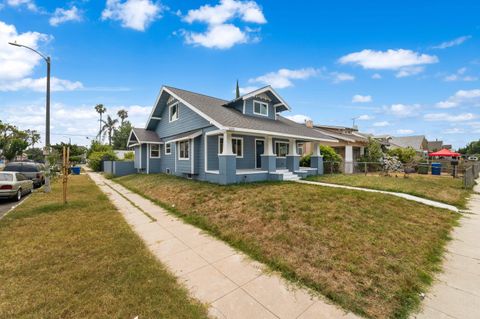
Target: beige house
{"x": 350, "y": 143}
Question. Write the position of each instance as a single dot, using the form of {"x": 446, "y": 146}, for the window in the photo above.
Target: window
{"x": 6, "y": 177}
{"x": 154, "y": 151}
{"x": 168, "y": 148}
{"x": 183, "y": 150}
{"x": 173, "y": 112}
{"x": 281, "y": 149}
{"x": 300, "y": 149}
{"x": 237, "y": 146}
{"x": 21, "y": 177}
{"x": 260, "y": 108}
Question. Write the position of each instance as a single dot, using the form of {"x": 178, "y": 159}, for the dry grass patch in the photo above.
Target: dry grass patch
{"x": 440, "y": 188}
{"x": 82, "y": 260}
{"x": 371, "y": 253}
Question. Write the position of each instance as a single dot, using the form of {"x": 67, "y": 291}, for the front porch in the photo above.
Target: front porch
{"x": 235, "y": 157}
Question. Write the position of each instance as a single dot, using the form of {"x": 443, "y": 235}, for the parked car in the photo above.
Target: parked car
{"x": 33, "y": 171}
{"x": 14, "y": 185}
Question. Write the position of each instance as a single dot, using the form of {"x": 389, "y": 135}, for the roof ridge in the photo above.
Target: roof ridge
{"x": 213, "y": 97}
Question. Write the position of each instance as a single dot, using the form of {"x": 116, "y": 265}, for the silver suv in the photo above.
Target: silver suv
{"x": 33, "y": 171}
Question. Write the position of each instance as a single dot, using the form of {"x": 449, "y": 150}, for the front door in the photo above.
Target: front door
{"x": 259, "y": 150}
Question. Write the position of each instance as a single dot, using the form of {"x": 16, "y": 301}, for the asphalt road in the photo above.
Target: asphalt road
{"x": 6, "y": 204}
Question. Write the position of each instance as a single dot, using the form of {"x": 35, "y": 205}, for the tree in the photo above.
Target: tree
{"x": 12, "y": 140}
{"x": 122, "y": 114}
{"x": 33, "y": 137}
{"x": 15, "y": 147}
{"x": 35, "y": 154}
{"x": 373, "y": 151}
{"x": 120, "y": 136}
{"x": 109, "y": 127}
{"x": 100, "y": 110}
{"x": 472, "y": 148}
{"x": 404, "y": 155}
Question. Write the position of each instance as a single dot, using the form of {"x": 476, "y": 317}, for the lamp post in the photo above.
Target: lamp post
{"x": 47, "y": 120}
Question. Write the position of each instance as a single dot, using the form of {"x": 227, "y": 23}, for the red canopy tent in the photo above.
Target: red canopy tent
{"x": 445, "y": 153}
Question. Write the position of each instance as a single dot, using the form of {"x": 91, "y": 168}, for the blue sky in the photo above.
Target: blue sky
{"x": 399, "y": 68}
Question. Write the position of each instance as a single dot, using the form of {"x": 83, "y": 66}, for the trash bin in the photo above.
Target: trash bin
{"x": 75, "y": 170}
{"x": 436, "y": 168}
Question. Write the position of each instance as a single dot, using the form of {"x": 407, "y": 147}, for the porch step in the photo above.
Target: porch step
{"x": 288, "y": 176}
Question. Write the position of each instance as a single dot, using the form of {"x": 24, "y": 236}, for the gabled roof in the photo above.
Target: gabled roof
{"x": 434, "y": 146}
{"x": 281, "y": 105}
{"x": 227, "y": 118}
{"x": 343, "y": 133}
{"x": 414, "y": 142}
{"x": 141, "y": 136}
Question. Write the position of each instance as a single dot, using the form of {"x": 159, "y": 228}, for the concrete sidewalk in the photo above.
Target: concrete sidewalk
{"x": 402, "y": 195}
{"x": 456, "y": 293}
{"x": 232, "y": 284}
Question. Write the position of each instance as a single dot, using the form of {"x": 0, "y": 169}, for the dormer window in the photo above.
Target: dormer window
{"x": 260, "y": 108}
{"x": 173, "y": 112}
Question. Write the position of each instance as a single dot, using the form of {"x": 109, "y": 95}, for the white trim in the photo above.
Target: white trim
{"x": 170, "y": 112}
{"x": 141, "y": 156}
{"x": 264, "y": 89}
{"x": 233, "y": 138}
{"x": 148, "y": 159}
{"x": 165, "y": 149}
{"x": 205, "y": 153}
{"x": 133, "y": 145}
{"x": 156, "y": 118}
{"x": 188, "y": 150}
{"x": 193, "y": 156}
{"x": 130, "y": 136}
{"x": 150, "y": 151}
{"x": 216, "y": 132}
{"x": 263, "y": 140}
{"x": 262, "y": 103}
{"x": 274, "y": 134}
{"x": 175, "y": 156}
{"x": 188, "y": 137}
{"x": 275, "y": 150}
{"x": 334, "y": 135}
{"x": 244, "y": 106}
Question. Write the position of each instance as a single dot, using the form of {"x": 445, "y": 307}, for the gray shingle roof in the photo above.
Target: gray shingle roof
{"x": 231, "y": 118}
{"x": 408, "y": 141}
{"x": 435, "y": 146}
{"x": 146, "y": 136}
{"x": 342, "y": 133}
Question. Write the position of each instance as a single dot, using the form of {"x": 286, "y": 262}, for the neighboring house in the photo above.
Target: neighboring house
{"x": 207, "y": 138}
{"x": 418, "y": 142}
{"x": 350, "y": 143}
{"x": 434, "y": 146}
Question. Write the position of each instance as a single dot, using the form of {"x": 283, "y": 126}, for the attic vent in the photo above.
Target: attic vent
{"x": 264, "y": 96}
{"x": 171, "y": 99}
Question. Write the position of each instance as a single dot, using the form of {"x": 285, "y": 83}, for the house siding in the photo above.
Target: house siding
{"x": 249, "y": 108}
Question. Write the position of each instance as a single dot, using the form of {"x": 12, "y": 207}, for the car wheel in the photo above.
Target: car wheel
{"x": 18, "y": 197}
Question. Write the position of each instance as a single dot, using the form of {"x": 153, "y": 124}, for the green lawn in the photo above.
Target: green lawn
{"x": 371, "y": 253}
{"x": 82, "y": 260}
{"x": 444, "y": 189}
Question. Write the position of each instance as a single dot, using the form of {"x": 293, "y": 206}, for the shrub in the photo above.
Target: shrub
{"x": 129, "y": 156}
{"x": 329, "y": 155}
{"x": 96, "y": 158}
{"x": 405, "y": 155}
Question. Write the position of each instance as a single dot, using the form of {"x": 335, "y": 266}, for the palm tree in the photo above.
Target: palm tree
{"x": 33, "y": 136}
{"x": 100, "y": 110}
{"x": 109, "y": 127}
{"x": 122, "y": 114}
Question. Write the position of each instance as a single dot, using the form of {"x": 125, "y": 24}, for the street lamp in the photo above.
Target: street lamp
{"x": 47, "y": 121}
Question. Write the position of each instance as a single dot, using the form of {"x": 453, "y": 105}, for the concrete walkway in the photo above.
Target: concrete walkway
{"x": 232, "y": 284}
{"x": 456, "y": 293}
{"x": 402, "y": 195}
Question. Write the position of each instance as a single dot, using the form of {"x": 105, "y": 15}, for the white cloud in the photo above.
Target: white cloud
{"x": 16, "y": 63}
{"x": 39, "y": 85}
{"x": 298, "y": 118}
{"x": 444, "y": 117}
{"x": 357, "y": 98}
{"x": 452, "y": 43}
{"x": 219, "y": 33}
{"x": 365, "y": 117}
{"x": 454, "y": 130}
{"x": 406, "y": 62}
{"x": 460, "y": 76}
{"x": 376, "y": 76}
{"x": 405, "y": 131}
{"x": 133, "y": 14}
{"x": 248, "y": 11}
{"x": 461, "y": 97}
{"x": 29, "y": 4}
{"x": 222, "y": 36}
{"x": 247, "y": 89}
{"x": 63, "y": 15}
{"x": 402, "y": 110}
{"x": 283, "y": 77}
{"x": 338, "y": 77}
{"x": 78, "y": 121}
{"x": 381, "y": 124}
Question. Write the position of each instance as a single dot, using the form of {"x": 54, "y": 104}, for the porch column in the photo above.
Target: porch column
{"x": 269, "y": 159}
{"x": 227, "y": 161}
{"x": 362, "y": 150}
{"x": 316, "y": 159}
{"x": 348, "y": 159}
{"x": 293, "y": 159}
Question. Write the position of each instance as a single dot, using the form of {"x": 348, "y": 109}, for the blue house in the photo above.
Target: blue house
{"x": 206, "y": 138}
